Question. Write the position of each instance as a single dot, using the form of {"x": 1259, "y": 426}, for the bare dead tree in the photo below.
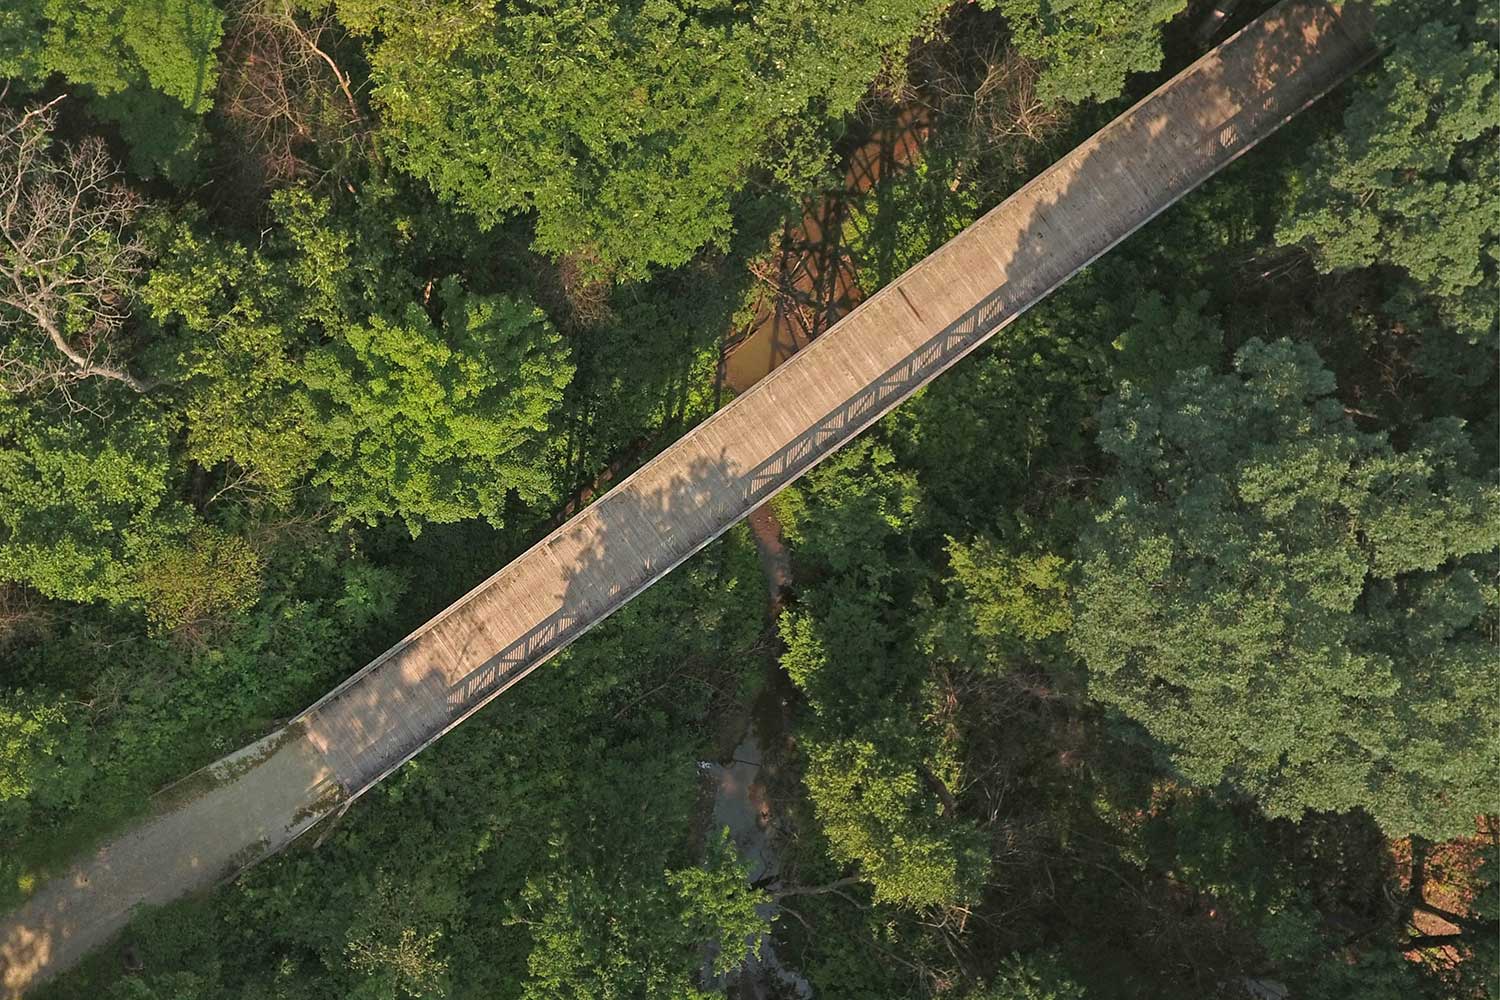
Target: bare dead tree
{"x": 282, "y": 91}
{"x": 991, "y": 91}
{"x": 68, "y": 258}
{"x": 977, "y": 92}
{"x": 1005, "y": 103}
{"x": 584, "y": 287}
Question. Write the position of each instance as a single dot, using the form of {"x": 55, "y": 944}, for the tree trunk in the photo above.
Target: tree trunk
{"x": 950, "y": 804}
{"x": 83, "y": 364}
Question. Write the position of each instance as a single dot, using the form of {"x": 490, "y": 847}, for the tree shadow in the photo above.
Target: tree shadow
{"x": 202, "y": 39}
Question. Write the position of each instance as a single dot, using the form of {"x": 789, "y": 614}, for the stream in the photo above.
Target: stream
{"x": 816, "y": 283}
{"x": 742, "y": 803}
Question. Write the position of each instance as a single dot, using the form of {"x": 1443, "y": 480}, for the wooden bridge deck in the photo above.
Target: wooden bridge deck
{"x": 858, "y": 370}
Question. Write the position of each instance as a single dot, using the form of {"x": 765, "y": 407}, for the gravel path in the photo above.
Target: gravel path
{"x": 205, "y": 829}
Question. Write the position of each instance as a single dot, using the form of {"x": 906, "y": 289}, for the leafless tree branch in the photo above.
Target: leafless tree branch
{"x": 67, "y": 261}
{"x": 278, "y": 87}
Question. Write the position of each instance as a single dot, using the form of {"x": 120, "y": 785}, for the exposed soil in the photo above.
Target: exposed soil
{"x": 1441, "y": 883}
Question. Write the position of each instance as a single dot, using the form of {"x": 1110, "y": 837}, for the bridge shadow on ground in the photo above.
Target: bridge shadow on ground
{"x": 659, "y": 508}
{"x": 815, "y": 280}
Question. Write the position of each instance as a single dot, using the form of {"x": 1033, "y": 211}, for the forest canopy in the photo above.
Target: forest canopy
{"x": 1150, "y": 651}
{"x": 627, "y": 128}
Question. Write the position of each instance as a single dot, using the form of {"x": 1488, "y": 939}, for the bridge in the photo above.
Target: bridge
{"x": 255, "y": 802}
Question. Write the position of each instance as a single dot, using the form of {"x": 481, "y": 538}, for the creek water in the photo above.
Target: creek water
{"x": 743, "y": 804}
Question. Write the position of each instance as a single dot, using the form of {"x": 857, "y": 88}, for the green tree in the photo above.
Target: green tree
{"x": 1291, "y": 886}
{"x": 149, "y": 64}
{"x": 905, "y": 218}
{"x": 853, "y": 517}
{"x": 1486, "y": 908}
{"x": 626, "y": 126}
{"x": 875, "y": 805}
{"x": 33, "y": 732}
{"x": 1007, "y": 601}
{"x": 110, "y": 45}
{"x": 850, "y": 525}
{"x": 1030, "y": 977}
{"x": 317, "y": 354}
{"x": 239, "y": 322}
{"x": 1409, "y": 182}
{"x": 595, "y": 934}
{"x": 879, "y": 773}
{"x": 171, "y": 986}
{"x": 439, "y": 423}
{"x": 395, "y": 959}
{"x": 1292, "y": 605}
{"x": 231, "y": 319}
{"x": 1165, "y": 337}
{"x": 1088, "y": 47}
{"x": 85, "y": 503}
{"x": 201, "y": 584}
{"x": 720, "y": 905}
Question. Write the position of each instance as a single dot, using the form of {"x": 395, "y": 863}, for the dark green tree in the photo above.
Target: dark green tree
{"x": 1293, "y": 605}
{"x": 1409, "y": 182}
